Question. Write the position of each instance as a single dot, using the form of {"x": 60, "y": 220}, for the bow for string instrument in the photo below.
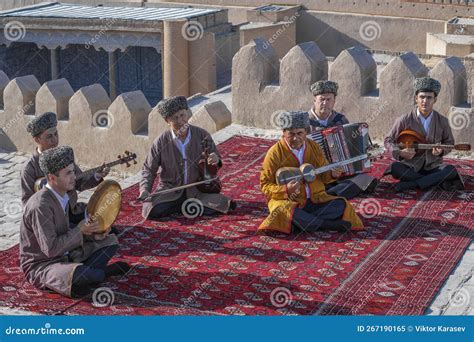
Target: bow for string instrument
{"x": 125, "y": 159}
{"x": 150, "y": 197}
{"x": 413, "y": 140}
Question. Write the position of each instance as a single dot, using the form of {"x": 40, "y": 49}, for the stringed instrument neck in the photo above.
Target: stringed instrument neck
{"x": 412, "y": 139}
{"x": 421, "y": 146}
{"x": 128, "y": 157}
{"x": 96, "y": 169}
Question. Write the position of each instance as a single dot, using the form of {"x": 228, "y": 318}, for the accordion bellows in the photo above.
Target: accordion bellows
{"x": 343, "y": 142}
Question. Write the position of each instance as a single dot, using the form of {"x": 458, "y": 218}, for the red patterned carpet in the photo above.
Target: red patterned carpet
{"x": 219, "y": 265}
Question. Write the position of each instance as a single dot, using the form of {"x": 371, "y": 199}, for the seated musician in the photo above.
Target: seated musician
{"x": 43, "y": 129}
{"x": 297, "y": 205}
{"x": 424, "y": 169}
{"x": 55, "y": 254}
{"x": 323, "y": 115}
{"x": 178, "y": 152}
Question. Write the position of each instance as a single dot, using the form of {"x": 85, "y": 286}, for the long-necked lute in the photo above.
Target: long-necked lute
{"x": 307, "y": 172}
{"x": 125, "y": 159}
{"x": 413, "y": 140}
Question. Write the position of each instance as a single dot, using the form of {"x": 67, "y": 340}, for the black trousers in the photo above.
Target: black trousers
{"x": 424, "y": 178}
{"x": 343, "y": 188}
{"x": 313, "y": 215}
{"x": 168, "y": 208}
{"x": 92, "y": 270}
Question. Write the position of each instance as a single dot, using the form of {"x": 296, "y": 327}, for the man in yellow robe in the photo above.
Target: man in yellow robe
{"x": 298, "y": 205}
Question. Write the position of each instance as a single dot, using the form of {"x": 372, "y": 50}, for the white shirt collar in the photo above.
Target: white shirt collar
{"x": 323, "y": 122}
{"x": 62, "y": 200}
{"x": 188, "y": 136}
{"x": 295, "y": 151}
{"x": 421, "y": 116}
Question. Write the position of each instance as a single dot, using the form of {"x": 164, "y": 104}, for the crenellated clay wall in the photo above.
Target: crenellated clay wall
{"x": 262, "y": 86}
{"x": 97, "y": 128}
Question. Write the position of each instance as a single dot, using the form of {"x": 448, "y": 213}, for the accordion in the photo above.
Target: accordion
{"x": 343, "y": 142}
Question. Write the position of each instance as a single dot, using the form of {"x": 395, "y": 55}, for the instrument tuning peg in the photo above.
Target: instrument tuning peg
{"x": 119, "y": 157}
{"x": 127, "y": 153}
{"x": 134, "y": 162}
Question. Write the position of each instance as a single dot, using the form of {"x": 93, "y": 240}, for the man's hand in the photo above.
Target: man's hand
{"x": 336, "y": 173}
{"x": 90, "y": 227}
{"x": 437, "y": 151}
{"x": 294, "y": 188}
{"x": 103, "y": 235}
{"x": 213, "y": 159}
{"x": 143, "y": 195}
{"x": 103, "y": 171}
{"x": 407, "y": 153}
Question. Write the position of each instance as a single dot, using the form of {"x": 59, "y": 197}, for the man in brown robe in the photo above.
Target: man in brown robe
{"x": 177, "y": 153}
{"x": 54, "y": 254}
{"x": 426, "y": 169}
{"x": 322, "y": 115}
{"x": 43, "y": 129}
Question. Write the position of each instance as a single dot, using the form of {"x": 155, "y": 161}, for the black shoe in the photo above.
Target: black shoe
{"x": 337, "y": 225}
{"x": 403, "y": 186}
{"x": 81, "y": 291}
{"x": 452, "y": 185}
{"x": 117, "y": 268}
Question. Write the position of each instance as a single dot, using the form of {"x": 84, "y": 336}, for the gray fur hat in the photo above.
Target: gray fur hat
{"x": 41, "y": 123}
{"x": 55, "y": 159}
{"x": 167, "y": 107}
{"x": 324, "y": 87}
{"x": 427, "y": 84}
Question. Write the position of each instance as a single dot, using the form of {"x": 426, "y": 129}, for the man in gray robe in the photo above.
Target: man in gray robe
{"x": 54, "y": 254}
{"x": 323, "y": 115}
{"x": 426, "y": 169}
{"x": 177, "y": 153}
{"x": 43, "y": 129}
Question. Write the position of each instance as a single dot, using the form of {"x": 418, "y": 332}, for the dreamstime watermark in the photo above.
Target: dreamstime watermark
{"x": 460, "y": 29}
{"x": 14, "y": 31}
{"x": 46, "y": 330}
{"x": 459, "y": 119}
{"x": 370, "y": 30}
{"x": 19, "y": 114}
{"x": 110, "y": 199}
{"x": 281, "y": 30}
{"x": 192, "y": 208}
{"x": 199, "y": 291}
{"x": 103, "y": 297}
{"x": 460, "y": 298}
{"x": 103, "y": 118}
{"x": 101, "y": 33}
{"x": 12, "y": 208}
{"x": 370, "y": 208}
{"x": 192, "y": 30}
{"x": 281, "y": 119}
{"x": 281, "y": 297}
{"x": 375, "y": 114}
{"x": 454, "y": 212}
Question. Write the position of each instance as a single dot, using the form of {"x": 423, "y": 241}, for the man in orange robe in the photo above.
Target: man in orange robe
{"x": 298, "y": 205}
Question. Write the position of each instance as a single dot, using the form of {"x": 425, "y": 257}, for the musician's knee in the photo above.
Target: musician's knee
{"x": 339, "y": 205}
{"x": 397, "y": 170}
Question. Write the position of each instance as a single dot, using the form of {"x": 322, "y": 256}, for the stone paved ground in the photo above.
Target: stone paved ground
{"x": 454, "y": 298}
